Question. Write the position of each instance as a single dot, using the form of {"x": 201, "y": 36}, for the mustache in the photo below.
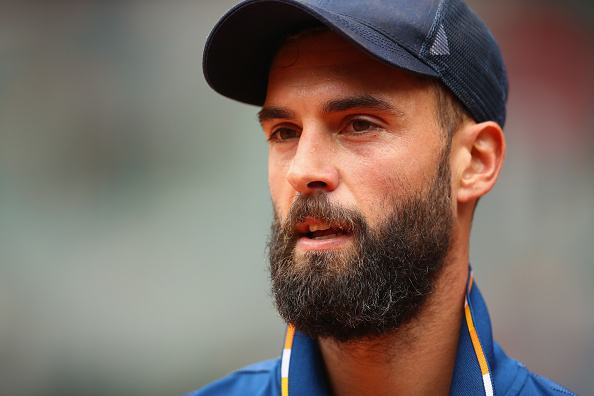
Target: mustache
{"x": 319, "y": 207}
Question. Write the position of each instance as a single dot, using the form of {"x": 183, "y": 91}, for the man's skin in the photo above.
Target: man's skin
{"x": 341, "y": 123}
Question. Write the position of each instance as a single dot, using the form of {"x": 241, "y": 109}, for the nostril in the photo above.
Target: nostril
{"x": 316, "y": 184}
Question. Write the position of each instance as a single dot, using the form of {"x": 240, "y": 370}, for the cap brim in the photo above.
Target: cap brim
{"x": 242, "y": 45}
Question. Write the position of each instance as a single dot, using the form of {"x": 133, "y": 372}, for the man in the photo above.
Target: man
{"x": 384, "y": 120}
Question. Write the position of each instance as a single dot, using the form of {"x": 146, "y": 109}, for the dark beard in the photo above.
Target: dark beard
{"x": 378, "y": 284}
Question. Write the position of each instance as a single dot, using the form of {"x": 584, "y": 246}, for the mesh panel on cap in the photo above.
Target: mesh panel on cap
{"x": 473, "y": 69}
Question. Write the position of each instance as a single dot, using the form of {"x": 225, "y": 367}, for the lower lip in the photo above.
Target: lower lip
{"x": 305, "y": 243}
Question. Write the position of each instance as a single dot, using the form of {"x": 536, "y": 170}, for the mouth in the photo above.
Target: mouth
{"x": 320, "y": 232}
{"x": 315, "y": 234}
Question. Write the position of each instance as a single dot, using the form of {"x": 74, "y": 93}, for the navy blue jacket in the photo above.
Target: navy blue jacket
{"x": 481, "y": 367}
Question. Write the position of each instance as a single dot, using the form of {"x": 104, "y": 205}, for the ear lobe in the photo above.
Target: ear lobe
{"x": 484, "y": 145}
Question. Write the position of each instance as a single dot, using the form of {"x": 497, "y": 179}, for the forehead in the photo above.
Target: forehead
{"x": 323, "y": 61}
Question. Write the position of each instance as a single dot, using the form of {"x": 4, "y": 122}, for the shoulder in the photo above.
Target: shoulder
{"x": 528, "y": 384}
{"x": 512, "y": 378}
{"x": 537, "y": 385}
{"x": 257, "y": 379}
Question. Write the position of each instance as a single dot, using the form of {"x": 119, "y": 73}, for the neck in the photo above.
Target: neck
{"x": 417, "y": 359}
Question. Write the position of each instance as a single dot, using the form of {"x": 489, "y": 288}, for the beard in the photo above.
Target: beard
{"x": 380, "y": 281}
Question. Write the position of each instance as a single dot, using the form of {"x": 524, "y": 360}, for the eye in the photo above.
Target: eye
{"x": 283, "y": 133}
{"x": 359, "y": 125}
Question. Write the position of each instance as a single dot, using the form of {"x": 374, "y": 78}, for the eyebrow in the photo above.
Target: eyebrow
{"x": 275, "y": 113}
{"x": 367, "y": 102}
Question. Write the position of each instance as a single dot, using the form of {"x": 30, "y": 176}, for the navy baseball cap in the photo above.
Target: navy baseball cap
{"x": 443, "y": 39}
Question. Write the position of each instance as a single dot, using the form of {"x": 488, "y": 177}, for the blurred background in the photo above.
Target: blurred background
{"x": 134, "y": 207}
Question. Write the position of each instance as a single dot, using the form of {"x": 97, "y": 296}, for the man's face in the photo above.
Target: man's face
{"x": 359, "y": 178}
{"x": 342, "y": 123}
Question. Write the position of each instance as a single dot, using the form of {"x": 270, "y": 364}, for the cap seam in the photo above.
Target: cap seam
{"x": 382, "y": 32}
{"x": 433, "y": 30}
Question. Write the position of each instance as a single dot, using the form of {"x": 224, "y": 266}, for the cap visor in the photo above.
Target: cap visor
{"x": 242, "y": 45}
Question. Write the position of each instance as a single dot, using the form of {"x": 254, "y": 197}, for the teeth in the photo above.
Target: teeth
{"x": 327, "y": 237}
{"x": 318, "y": 227}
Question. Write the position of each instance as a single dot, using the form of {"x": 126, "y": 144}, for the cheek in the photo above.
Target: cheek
{"x": 279, "y": 188}
{"x": 371, "y": 183}
{"x": 380, "y": 181}
{"x": 374, "y": 191}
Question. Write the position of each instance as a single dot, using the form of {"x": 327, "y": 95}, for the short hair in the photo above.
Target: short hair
{"x": 450, "y": 112}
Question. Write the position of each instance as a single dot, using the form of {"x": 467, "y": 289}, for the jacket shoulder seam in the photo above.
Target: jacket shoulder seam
{"x": 552, "y": 385}
{"x": 240, "y": 371}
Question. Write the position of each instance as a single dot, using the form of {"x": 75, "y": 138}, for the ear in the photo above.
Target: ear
{"x": 479, "y": 157}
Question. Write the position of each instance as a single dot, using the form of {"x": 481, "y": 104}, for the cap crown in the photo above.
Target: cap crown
{"x": 437, "y": 38}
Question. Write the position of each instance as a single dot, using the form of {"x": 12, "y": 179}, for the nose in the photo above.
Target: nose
{"x": 312, "y": 167}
